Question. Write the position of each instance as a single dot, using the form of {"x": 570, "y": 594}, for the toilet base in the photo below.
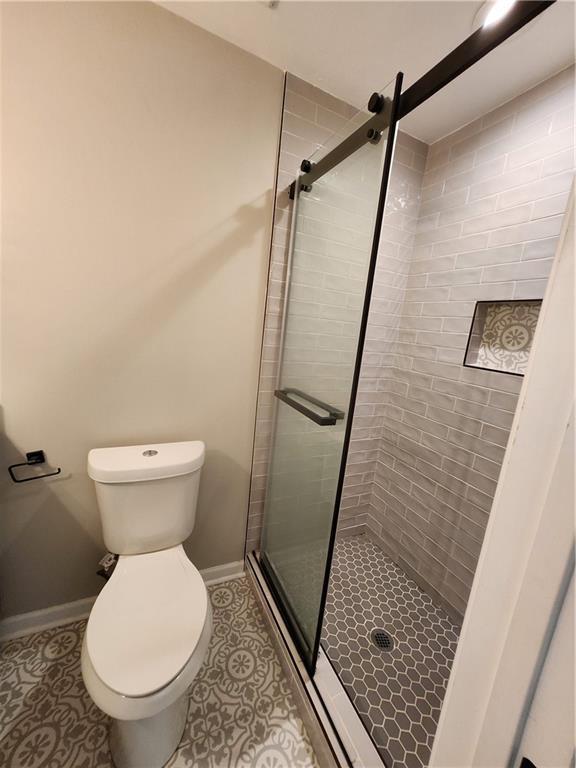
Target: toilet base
{"x": 150, "y": 742}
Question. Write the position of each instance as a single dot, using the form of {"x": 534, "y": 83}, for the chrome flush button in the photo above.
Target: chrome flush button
{"x": 149, "y": 452}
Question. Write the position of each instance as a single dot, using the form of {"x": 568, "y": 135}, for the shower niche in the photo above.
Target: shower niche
{"x": 501, "y": 335}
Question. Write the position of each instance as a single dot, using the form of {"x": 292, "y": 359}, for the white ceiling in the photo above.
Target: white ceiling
{"x": 353, "y": 48}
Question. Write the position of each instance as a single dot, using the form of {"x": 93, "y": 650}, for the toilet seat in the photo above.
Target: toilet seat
{"x": 147, "y": 623}
{"x": 127, "y": 708}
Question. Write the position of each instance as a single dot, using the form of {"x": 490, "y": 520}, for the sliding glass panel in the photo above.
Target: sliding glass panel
{"x": 332, "y": 238}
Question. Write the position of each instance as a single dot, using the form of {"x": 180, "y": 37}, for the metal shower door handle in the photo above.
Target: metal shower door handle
{"x": 334, "y": 414}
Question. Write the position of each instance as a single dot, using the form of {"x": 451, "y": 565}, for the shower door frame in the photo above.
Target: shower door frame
{"x": 309, "y": 655}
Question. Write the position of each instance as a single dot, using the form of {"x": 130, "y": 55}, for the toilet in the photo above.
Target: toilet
{"x": 148, "y": 632}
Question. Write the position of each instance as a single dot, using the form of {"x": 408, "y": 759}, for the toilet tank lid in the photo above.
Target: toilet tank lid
{"x": 152, "y": 461}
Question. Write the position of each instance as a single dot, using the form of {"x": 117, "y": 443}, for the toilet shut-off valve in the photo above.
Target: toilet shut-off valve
{"x": 107, "y": 565}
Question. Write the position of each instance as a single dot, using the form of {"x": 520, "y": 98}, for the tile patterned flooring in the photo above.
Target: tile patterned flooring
{"x": 397, "y": 693}
{"x": 241, "y": 712}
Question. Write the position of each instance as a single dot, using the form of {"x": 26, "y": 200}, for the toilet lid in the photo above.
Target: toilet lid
{"x": 147, "y": 621}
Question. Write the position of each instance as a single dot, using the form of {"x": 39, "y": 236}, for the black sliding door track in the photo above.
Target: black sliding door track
{"x": 371, "y": 131}
{"x": 474, "y": 48}
{"x": 469, "y": 52}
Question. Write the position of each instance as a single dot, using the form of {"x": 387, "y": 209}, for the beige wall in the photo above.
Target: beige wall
{"x": 138, "y": 166}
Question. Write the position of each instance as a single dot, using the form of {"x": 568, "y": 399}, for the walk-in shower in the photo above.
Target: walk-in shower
{"x": 412, "y": 273}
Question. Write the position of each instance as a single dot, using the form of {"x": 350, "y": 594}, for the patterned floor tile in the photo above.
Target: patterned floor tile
{"x": 398, "y": 693}
{"x": 241, "y": 713}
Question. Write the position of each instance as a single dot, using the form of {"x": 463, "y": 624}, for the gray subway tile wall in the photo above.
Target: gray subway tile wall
{"x": 311, "y": 117}
{"x": 475, "y": 216}
{"x": 331, "y": 251}
{"x": 493, "y": 196}
{"x": 379, "y": 388}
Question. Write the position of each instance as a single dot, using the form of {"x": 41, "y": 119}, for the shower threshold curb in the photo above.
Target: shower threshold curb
{"x": 335, "y": 729}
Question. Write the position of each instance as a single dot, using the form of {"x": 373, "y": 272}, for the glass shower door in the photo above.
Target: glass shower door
{"x": 332, "y": 238}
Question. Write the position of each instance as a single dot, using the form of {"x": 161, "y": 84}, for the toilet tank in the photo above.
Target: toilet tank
{"x": 147, "y": 494}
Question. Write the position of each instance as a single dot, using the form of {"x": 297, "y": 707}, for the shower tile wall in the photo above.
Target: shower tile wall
{"x": 331, "y": 252}
{"x": 377, "y": 387}
{"x": 475, "y": 216}
{"x": 310, "y": 118}
{"x": 493, "y": 195}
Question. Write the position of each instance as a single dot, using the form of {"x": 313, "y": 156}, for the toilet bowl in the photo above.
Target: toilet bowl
{"x": 149, "y": 630}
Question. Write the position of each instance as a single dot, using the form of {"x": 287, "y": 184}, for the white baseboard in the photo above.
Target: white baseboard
{"x": 225, "y": 572}
{"x": 35, "y": 621}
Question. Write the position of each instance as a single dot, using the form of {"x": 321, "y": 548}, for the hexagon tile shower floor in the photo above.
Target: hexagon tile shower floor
{"x": 397, "y": 685}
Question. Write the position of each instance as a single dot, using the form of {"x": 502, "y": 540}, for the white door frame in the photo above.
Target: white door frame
{"x": 527, "y": 556}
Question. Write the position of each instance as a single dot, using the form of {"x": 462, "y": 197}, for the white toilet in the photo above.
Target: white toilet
{"x": 149, "y": 629}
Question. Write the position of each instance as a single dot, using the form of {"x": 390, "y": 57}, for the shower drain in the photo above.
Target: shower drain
{"x": 382, "y": 639}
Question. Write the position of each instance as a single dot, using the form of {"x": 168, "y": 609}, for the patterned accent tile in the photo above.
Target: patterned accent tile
{"x": 507, "y": 335}
{"x": 241, "y": 712}
{"x": 397, "y": 693}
